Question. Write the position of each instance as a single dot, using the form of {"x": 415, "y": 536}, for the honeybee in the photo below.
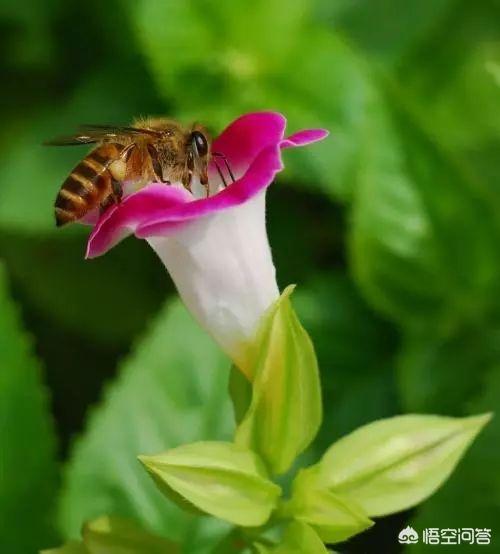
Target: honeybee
{"x": 152, "y": 149}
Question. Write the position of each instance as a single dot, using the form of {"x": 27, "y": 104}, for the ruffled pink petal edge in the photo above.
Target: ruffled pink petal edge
{"x": 254, "y": 140}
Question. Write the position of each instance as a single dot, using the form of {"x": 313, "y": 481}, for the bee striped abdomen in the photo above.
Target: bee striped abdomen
{"x": 89, "y": 184}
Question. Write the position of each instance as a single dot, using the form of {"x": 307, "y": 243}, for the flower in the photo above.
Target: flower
{"x": 215, "y": 249}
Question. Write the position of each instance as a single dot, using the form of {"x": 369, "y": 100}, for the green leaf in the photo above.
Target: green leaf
{"x": 455, "y": 87}
{"x": 71, "y": 547}
{"x": 172, "y": 390}
{"x": 424, "y": 237}
{"x": 28, "y": 465}
{"x": 299, "y": 538}
{"x": 334, "y": 517}
{"x": 392, "y": 242}
{"x": 285, "y": 412}
{"x": 442, "y": 372}
{"x": 220, "y": 478}
{"x": 393, "y": 464}
{"x": 111, "y": 535}
{"x": 425, "y": 229}
{"x": 240, "y": 390}
{"x": 471, "y": 498}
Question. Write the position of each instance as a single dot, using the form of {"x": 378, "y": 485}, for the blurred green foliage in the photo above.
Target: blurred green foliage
{"x": 394, "y": 222}
{"x": 28, "y": 472}
{"x": 168, "y": 393}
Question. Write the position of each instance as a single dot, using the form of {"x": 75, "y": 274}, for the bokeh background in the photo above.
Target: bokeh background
{"x": 390, "y": 228}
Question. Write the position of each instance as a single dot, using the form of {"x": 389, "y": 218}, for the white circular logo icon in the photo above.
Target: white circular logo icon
{"x": 408, "y": 536}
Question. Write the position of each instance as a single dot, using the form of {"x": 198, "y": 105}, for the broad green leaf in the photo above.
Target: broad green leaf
{"x": 471, "y": 498}
{"x": 424, "y": 234}
{"x": 334, "y": 517}
{"x": 220, "y": 478}
{"x": 27, "y": 445}
{"x": 442, "y": 373}
{"x": 172, "y": 390}
{"x": 392, "y": 243}
{"x": 393, "y": 464}
{"x": 456, "y": 87}
{"x": 425, "y": 229}
{"x": 299, "y": 538}
{"x": 285, "y": 412}
{"x": 111, "y": 535}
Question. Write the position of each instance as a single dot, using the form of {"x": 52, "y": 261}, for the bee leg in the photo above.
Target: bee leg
{"x": 186, "y": 180}
{"x": 204, "y": 182}
{"x": 226, "y": 163}
{"x": 117, "y": 190}
{"x": 106, "y": 203}
{"x": 221, "y": 175}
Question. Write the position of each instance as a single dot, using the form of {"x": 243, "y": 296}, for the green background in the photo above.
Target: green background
{"x": 390, "y": 228}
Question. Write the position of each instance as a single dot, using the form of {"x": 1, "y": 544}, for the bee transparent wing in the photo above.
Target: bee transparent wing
{"x": 69, "y": 140}
{"x": 90, "y": 134}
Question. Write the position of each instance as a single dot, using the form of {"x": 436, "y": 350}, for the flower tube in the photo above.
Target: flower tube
{"x": 216, "y": 249}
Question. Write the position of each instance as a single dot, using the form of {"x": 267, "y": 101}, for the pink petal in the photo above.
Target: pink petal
{"x": 122, "y": 220}
{"x": 302, "y": 138}
{"x": 158, "y": 209}
{"x": 245, "y": 137}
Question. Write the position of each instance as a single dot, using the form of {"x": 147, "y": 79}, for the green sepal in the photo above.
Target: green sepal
{"x": 240, "y": 390}
{"x": 222, "y": 479}
{"x": 334, "y": 518}
{"x": 299, "y": 538}
{"x": 393, "y": 464}
{"x": 285, "y": 412}
{"x": 112, "y": 535}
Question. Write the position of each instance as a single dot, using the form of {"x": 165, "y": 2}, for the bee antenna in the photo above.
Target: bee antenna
{"x": 226, "y": 163}
{"x": 221, "y": 175}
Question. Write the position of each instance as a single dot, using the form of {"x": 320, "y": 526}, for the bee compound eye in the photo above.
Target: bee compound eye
{"x": 200, "y": 143}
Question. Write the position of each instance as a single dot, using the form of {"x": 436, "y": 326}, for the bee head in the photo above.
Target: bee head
{"x": 199, "y": 150}
{"x": 199, "y": 144}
